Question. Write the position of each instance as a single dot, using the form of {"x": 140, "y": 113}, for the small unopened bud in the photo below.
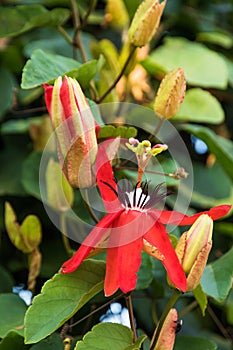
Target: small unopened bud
{"x": 170, "y": 94}
{"x": 158, "y": 149}
{"x": 168, "y": 332}
{"x": 145, "y": 22}
{"x": 133, "y": 141}
{"x": 144, "y": 151}
{"x": 193, "y": 249}
{"x": 179, "y": 174}
{"x": 59, "y": 192}
{"x": 113, "y": 9}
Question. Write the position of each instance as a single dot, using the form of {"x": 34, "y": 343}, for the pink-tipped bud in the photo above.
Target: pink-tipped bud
{"x": 193, "y": 249}
{"x": 145, "y": 22}
{"x": 167, "y": 335}
{"x": 170, "y": 94}
{"x": 75, "y": 127}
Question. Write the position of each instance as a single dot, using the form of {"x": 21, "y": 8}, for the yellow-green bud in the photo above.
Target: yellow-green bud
{"x": 193, "y": 249}
{"x": 25, "y": 237}
{"x": 145, "y": 22}
{"x": 170, "y": 94}
{"x": 116, "y": 14}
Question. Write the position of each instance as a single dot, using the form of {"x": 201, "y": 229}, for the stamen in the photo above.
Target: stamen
{"x": 121, "y": 192}
{"x": 146, "y": 196}
{"x": 134, "y": 196}
{"x": 110, "y": 186}
{"x": 128, "y": 196}
{"x": 139, "y": 200}
{"x": 127, "y": 200}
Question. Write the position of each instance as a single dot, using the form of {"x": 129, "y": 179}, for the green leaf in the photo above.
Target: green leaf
{"x": 7, "y": 90}
{"x": 225, "y": 228}
{"x": 217, "y": 277}
{"x": 219, "y": 146}
{"x": 11, "y": 158}
{"x": 194, "y": 343}
{"x": 30, "y": 174}
{"x": 218, "y": 38}
{"x": 50, "y": 343}
{"x": 44, "y": 67}
{"x": 209, "y": 69}
{"x": 207, "y": 191}
{"x": 7, "y": 281}
{"x": 107, "y": 49}
{"x": 12, "y": 313}
{"x": 19, "y": 126}
{"x": 13, "y": 340}
{"x": 229, "y": 65}
{"x": 201, "y": 298}
{"x": 19, "y": 19}
{"x": 146, "y": 272}
{"x": 41, "y": 68}
{"x": 206, "y": 182}
{"x": 109, "y": 336}
{"x": 85, "y": 72}
{"x": 61, "y": 297}
{"x": 200, "y": 106}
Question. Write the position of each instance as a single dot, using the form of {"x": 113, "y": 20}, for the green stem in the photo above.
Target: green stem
{"x": 129, "y": 305}
{"x": 97, "y": 309}
{"x": 65, "y": 35}
{"x": 111, "y": 87}
{"x": 90, "y": 9}
{"x": 157, "y": 128}
{"x": 218, "y": 323}
{"x": 87, "y": 203}
{"x": 64, "y": 234}
{"x": 157, "y": 331}
{"x": 188, "y": 308}
{"x": 77, "y": 43}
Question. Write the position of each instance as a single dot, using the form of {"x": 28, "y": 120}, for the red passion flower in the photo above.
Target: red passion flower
{"x": 133, "y": 225}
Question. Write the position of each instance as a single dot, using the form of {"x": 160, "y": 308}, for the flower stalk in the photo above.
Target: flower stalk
{"x": 112, "y": 86}
{"x": 129, "y": 305}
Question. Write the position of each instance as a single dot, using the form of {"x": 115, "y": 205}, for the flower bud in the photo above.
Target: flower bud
{"x": 74, "y": 125}
{"x": 193, "y": 249}
{"x": 170, "y": 94}
{"x": 113, "y": 9}
{"x": 145, "y": 22}
{"x": 168, "y": 332}
{"x": 59, "y": 192}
